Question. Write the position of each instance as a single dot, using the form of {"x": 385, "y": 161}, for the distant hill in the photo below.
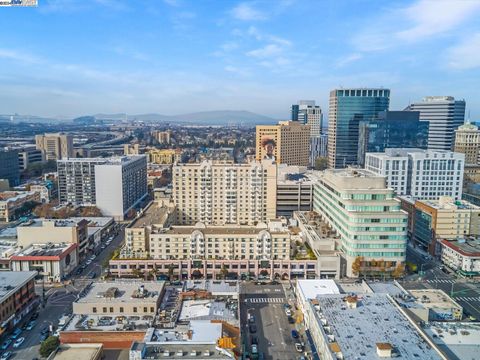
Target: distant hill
{"x": 220, "y": 117}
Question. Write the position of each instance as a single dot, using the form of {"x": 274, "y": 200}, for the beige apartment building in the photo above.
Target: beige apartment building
{"x": 12, "y": 202}
{"x": 163, "y": 137}
{"x": 259, "y": 242}
{"x": 55, "y": 146}
{"x": 467, "y": 141}
{"x": 285, "y": 143}
{"x": 220, "y": 193}
{"x": 163, "y": 156}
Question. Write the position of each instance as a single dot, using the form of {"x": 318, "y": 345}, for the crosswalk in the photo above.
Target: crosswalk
{"x": 272, "y": 300}
{"x": 467, "y": 298}
{"x": 442, "y": 281}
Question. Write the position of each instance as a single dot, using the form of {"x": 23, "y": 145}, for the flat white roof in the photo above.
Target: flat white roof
{"x": 312, "y": 288}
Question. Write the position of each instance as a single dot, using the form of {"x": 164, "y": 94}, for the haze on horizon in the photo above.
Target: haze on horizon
{"x": 71, "y": 58}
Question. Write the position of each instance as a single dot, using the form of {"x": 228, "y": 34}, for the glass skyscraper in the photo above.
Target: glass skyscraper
{"x": 347, "y": 109}
{"x": 392, "y": 129}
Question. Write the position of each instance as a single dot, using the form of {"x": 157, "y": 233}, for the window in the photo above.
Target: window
{"x": 94, "y": 309}
{"x": 111, "y": 309}
{"x": 121, "y": 309}
{"x": 104, "y": 309}
{"x": 134, "y": 309}
{"x": 145, "y": 309}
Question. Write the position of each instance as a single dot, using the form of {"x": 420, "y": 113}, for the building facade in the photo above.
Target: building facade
{"x": 392, "y": 129}
{"x": 462, "y": 255}
{"x": 347, "y": 108}
{"x": 114, "y": 185}
{"x": 358, "y": 205}
{"x": 219, "y": 193}
{"x": 467, "y": 141}
{"x": 17, "y": 297}
{"x": 9, "y": 167}
{"x": 29, "y": 155}
{"x": 444, "y": 115}
{"x": 163, "y": 156}
{"x": 55, "y": 146}
{"x": 14, "y": 204}
{"x": 423, "y": 174}
{"x": 285, "y": 143}
{"x": 445, "y": 218}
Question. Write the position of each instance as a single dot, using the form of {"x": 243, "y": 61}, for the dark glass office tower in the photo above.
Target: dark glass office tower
{"x": 392, "y": 129}
{"x": 9, "y": 168}
{"x": 347, "y": 109}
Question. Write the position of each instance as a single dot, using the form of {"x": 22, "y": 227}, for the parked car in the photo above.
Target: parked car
{"x": 6, "y": 344}
{"x": 299, "y": 347}
{"x": 18, "y": 342}
{"x": 254, "y": 340}
{"x": 16, "y": 333}
{"x": 294, "y": 334}
{"x": 252, "y": 328}
{"x": 92, "y": 274}
{"x": 31, "y": 325}
{"x": 251, "y": 319}
{"x": 291, "y": 320}
{"x": 288, "y": 312}
{"x": 254, "y": 349}
{"x": 6, "y": 355}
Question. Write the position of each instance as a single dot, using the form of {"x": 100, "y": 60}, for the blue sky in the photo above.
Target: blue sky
{"x": 75, "y": 57}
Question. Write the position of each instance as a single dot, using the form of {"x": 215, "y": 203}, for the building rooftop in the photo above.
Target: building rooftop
{"x": 197, "y": 331}
{"x": 466, "y": 247}
{"x": 205, "y": 310}
{"x": 123, "y": 291}
{"x": 45, "y": 222}
{"x": 77, "y": 351}
{"x": 222, "y": 287}
{"x": 375, "y": 320}
{"x": 42, "y": 250}
{"x": 220, "y": 230}
{"x": 152, "y": 215}
{"x": 82, "y": 322}
{"x": 434, "y": 299}
{"x": 312, "y": 288}
{"x": 10, "y": 281}
{"x": 11, "y": 196}
{"x": 448, "y": 203}
{"x": 457, "y": 340}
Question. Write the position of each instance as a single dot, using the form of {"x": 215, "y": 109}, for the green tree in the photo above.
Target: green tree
{"x": 48, "y": 346}
{"x": 321, "y": 163}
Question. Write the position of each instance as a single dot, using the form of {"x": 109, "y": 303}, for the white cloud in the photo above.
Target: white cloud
{"x": 247, "y": 12}
{"x": 420, "y": 21}
{"x": 348, "y": 59}
{"x": 465, "y": 55}
{"x": 266, "y": 51}
{"x": 18, "y": 56}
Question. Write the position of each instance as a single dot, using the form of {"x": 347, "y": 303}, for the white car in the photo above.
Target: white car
{"x": 88, "y": 262}
{"x": 18, "y": 342}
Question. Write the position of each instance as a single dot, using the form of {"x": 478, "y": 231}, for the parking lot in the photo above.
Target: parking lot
{"x": 264, "y": 320}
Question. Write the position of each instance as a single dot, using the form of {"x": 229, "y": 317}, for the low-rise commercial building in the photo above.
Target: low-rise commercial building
{"x": 78, "y": 351}
{"x": 52, "y": 261}
{"x": 443, "y": 219}
{"x": 17, "y": 297}
{"x": 50, "y": 231}
{"x": 163, "y": 156}
{"x": 462, "y": 255}
{"x": 14, "y": 203}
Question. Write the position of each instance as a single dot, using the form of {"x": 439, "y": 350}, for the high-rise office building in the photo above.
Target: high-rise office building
{"x": 392, "y": 129}
{"x": 444, "y": 115}
{"x": 306, "y": 112}
{"x": 423, "y": 174}
{"x": 347, "y": 108}
{"x": 285, "y": 143}
{"x": 364, "y": 212}
{"x": 9, "y": 168}
{"x": 28, "y": 155}
{"x": 223, "y": 193}
{"x": 114, "y": 185}
{"x": 467, "y": 141}
{"x": 55, "y": 146}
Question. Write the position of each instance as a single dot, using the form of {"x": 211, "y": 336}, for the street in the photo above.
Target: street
{"x": 59, "y": 301}
{"x": 265, "y": 304}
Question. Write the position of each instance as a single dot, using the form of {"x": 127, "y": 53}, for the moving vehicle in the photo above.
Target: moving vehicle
{"x": 251, "y": 319}
{"x": 288, "y": 312}
{"x": 254, "y": 340}
{"x": 294, "y": 334}
{"x": 31, "y": 325}
{"x": 252, "y": 328}
{"x": 18, "y": 342}
{"x": 16, "y": 333}
{"x": 299, "y": 347}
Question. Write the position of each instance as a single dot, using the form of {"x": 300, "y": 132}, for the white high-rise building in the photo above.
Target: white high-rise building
{"x": 445, "y": 115}
{"x": 114, "y": 185}
{"x": 423, "y": 174}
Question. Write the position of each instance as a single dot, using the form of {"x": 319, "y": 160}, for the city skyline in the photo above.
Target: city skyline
{"x": 182, "y": 56}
